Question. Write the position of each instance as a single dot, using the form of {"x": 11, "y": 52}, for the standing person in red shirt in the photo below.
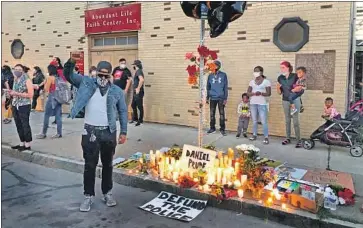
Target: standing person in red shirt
{"x": 57, "y": 62}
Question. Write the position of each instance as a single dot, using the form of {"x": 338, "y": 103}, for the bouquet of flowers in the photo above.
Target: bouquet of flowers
{"x": 193, "y": 68}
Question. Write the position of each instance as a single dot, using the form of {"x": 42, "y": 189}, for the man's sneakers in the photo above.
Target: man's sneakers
{"x": 223, "y": 132}
{"x": 88, "y": 201}
{"x": 211, "y": 131}
{"x": 238, "y": 135}
{"x": 86, "y": 205}
{"x": 40, "y": 136}
{"x": 108, "y": 199}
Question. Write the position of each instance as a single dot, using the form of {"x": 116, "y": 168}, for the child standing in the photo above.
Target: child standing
{"x": 299, "y": 88}
{"x": 330, "y": 111}
{"x": 244, "y": 115}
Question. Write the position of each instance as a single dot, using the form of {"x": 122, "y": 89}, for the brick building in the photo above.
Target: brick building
{"x": 50, "y": 29}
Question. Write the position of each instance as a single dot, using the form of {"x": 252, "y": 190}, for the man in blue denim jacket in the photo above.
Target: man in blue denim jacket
{"x": 101, "y": 100}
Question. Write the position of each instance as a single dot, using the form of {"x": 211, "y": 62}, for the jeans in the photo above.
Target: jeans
{"x": 21, "y": 118}
{"x": 293, "y": 96}
{"x": 259, "y": 111}
{"x": 242, "y": 124}
{"x": 96, "y": 141}
{"x": 138, "y": 103}
{"x": 294, "y": 117}
{"x": 213, "y": 106}
{"x": 50, "y": 111}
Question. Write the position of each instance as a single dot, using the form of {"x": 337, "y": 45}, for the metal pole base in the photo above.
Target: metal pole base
{"x": 329, "y": 151}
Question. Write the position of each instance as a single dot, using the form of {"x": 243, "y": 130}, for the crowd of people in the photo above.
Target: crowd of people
{"x": 102, "y": 98}
{"x": 254, "y": 104}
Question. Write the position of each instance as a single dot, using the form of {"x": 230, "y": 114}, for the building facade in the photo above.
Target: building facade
{"x": 164, "y": 34}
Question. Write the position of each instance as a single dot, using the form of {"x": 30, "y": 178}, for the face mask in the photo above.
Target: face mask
{"x": 18, "y": 73}
{"x": 102, "y": 81}
{"x": 122, "y": 66}
{"x": 257, "y": 74}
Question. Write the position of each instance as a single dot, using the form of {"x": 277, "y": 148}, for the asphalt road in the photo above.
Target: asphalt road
{"x": 36, "y": 196}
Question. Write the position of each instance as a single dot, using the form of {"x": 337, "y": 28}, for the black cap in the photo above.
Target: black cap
{"x": 104, "y": 65}
{"x": 137, "y": 63}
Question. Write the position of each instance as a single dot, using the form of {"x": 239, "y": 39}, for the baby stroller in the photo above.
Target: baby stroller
{"x": 345, "y": 132}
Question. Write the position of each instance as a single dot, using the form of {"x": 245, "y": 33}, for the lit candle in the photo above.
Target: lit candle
{"x": 269, "y": 200}
{"x": 161, "y": 170}
{"x": 211, "y": 178}
{"x": 283, "y": 206}
{"x": 225, "y": 161}
{"x": 172, "y": 161}
{"x": 220, "y": 154}
{"x": 237, "y": 184}
{"x": 216, "y": 163}
{"x": 152, "y": 158}
{"x": 236, "y": 168}
{"x": 224, "y": 181}
{"x": 243, "y": 179}
{"x": 221, "y": 164}
{"x": 240, "y": 193}
{"x": 219, "y": 175}
{"x": 195, "y": 179}
{"x": 157, "y": 155}
{"x": 175, "y": 176}
{"x": 230, "y": 153}
{"x": 167, "y": 161}
{"x": 206, "y": 188}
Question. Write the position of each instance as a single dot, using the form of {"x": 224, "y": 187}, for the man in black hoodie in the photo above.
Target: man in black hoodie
{"x": 122, "y": 78}
{"x": 138, "y": 97}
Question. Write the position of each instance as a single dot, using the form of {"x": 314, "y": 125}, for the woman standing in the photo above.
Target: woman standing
{"x": 52, "y": 107}
{"x": 259, "y": 89}
{"x": 21, "y": 94}
{"x": 285, "y": 83}
{"x": 38, "y": 84}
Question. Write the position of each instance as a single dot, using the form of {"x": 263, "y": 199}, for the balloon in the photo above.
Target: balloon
{"x": 238, "y": 9}
{"x": 191, "y": 9}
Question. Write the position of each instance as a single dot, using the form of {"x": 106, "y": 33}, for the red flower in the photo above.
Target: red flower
{"x": 189, "y": 55}
{"x": 213, "y": 54}
{"x": 192, "y": 70}
{"x": 203, "y": 51}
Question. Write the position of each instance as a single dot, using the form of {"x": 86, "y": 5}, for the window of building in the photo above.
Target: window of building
{"x": 115, "y": 41}
{"x": 17, "y": 49}
{"x": 291, "y": 34}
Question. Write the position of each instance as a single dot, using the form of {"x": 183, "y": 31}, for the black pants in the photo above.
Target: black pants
{"x": 35, "y": 98}
{"x": 138, "y": 103}
{"x": 213, "y": 106}
{"x": 96, "y": 141}
{"x": 21, "y": 118}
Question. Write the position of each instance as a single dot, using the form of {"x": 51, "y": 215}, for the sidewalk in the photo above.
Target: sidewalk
{"x": 152, "y": 136}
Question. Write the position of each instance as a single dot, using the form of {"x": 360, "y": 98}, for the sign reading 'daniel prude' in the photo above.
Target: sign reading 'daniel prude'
{"x": 195, "y": 158}
{"x": 112, "y": 19}
{"x": 176, "y": 207}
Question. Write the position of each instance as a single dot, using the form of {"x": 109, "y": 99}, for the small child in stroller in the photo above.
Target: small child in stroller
{"x": 330, "y": 112}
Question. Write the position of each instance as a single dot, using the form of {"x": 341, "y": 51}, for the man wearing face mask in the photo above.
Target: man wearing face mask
{"x": 102, "y": 100}
{"x": 217, "y": 94}
{"x": 138, "y": 97}
{"x": 122, "y": 78}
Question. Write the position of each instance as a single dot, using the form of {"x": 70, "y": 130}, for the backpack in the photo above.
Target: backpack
{"x": 62, "y": 93}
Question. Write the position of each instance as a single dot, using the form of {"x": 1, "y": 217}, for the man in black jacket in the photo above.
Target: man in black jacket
{"x": 122, "y": 78}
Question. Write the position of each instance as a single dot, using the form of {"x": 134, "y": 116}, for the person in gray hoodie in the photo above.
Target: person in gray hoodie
{"x": 217, "y": 94}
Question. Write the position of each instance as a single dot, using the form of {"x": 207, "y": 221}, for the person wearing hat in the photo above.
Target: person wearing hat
{"x": 217, "y": 94}
{"x": 102, "y": 101}
{"x": 138, "y": 98}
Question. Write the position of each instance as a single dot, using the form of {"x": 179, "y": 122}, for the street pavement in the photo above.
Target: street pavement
{"x": 36, "y": 196}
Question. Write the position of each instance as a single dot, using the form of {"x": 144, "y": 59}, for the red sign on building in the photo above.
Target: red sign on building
{"x": 122, "y": 18}
{"x": 79, "y": 57}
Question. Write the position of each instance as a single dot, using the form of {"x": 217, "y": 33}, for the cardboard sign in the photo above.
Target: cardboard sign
{"x": 196, "y": 158}
{"x": 175, "y": 207}
{"x": 321, "y": 176}
{"x": 79, "y": 57}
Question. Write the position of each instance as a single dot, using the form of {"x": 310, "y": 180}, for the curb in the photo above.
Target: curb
{"x": 299, "y": 219}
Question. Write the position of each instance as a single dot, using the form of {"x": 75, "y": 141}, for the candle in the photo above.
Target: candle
{"x": 269, "y": 200}
{"x": 220, "y": 154}
{"x": 200, "y": 188}
{"x": 141, "y": 161}
{"x": 157, "y": 155}
{"x": 195, "y": 179}
{"x": 229, "y": 184}
{"x": 206, "y": 188}
{"x": 224, "y": 181}
{"x": 161, "y": 170}
{"x": 225, "y": 161}
{"x": 240, "y": 193}
{"x": 229, "y": 162}
{"x": 237, "y": 184}
{"x": 175, "y": 176}
{"x": 276, "y": 193}
{"x": 221, "y": 164}
{"x": 167, "y": 161}
{"x": 219, "y": 175}
{"x": 172, "y": 161}
{"x": 216, "y": 163}
{"x": 152, "y": 158}
{"x": 236, "y": 168}
{"x": 230, "y": 153}
{"x": 243, "y": 179}
{"x": 283, "y": 206}
{"x": 211, "y": 178}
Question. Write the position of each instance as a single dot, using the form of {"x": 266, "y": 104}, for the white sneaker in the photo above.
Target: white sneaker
{"x": 86, "y": 205}
{"x": 108, "y": 199}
